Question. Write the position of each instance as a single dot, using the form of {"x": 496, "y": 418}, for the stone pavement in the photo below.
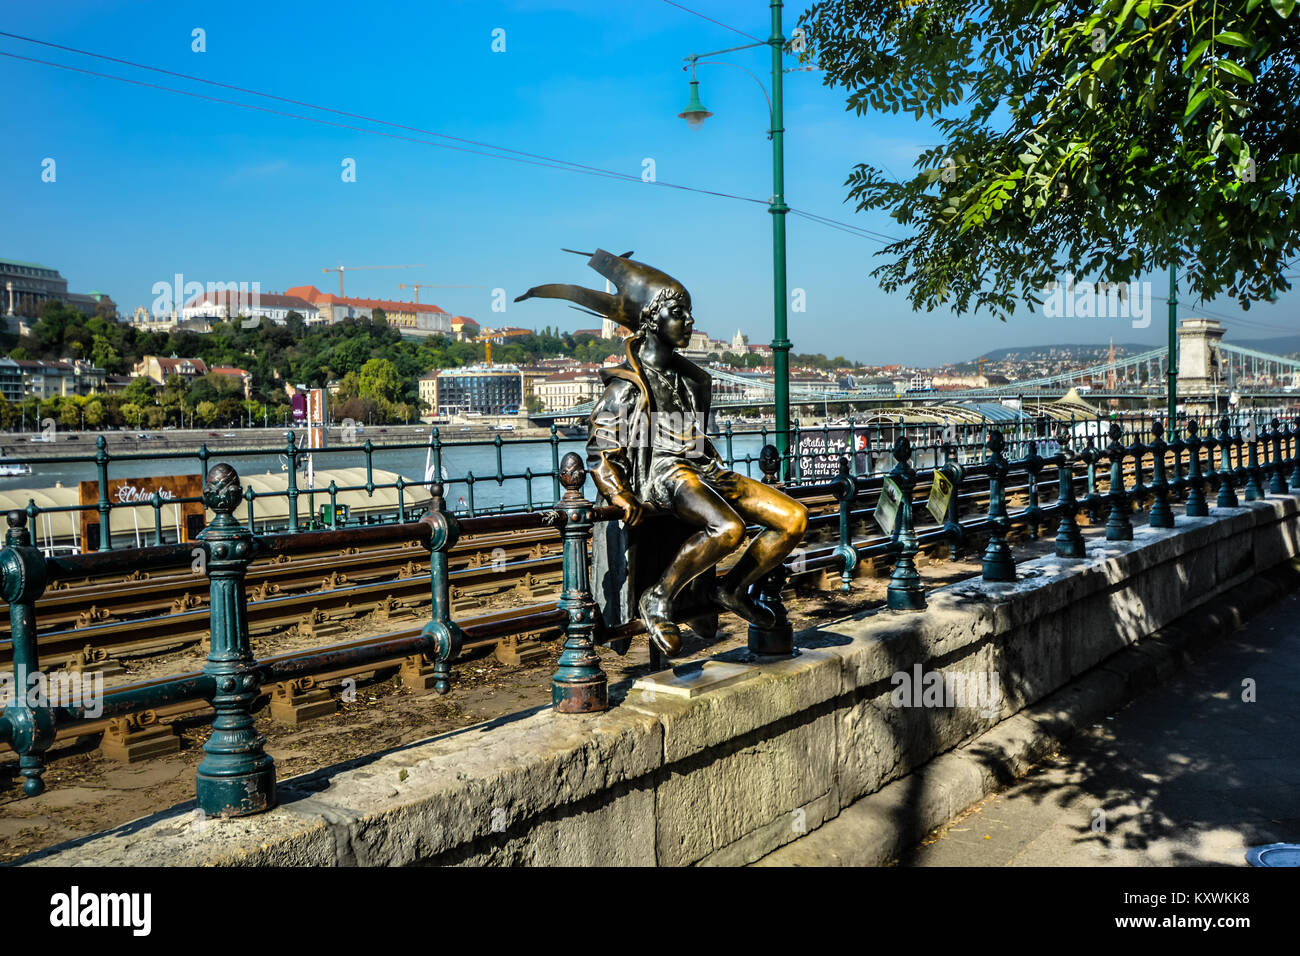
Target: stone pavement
{"x": 1187, "y": 774}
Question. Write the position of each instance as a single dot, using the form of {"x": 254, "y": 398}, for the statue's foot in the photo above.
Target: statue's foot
{"x": 741, "y": 603}
{"x": 656, "y": 613}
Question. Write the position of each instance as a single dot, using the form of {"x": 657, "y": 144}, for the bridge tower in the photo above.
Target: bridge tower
{"x": 1198, "y": 355}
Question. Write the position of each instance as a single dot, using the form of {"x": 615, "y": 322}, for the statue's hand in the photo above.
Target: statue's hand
{"x": 631, "y": 508}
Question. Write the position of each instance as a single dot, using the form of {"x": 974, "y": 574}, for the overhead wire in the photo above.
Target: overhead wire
{"x": 702, "y": 16}
{"x": 500, "y": 152}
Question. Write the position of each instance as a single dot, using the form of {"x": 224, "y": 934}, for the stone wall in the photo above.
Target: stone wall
{"x": 730, "y": 775}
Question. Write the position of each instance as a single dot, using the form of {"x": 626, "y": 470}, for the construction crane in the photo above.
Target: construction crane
{"x": 342, "y": 268}
{"x": 486, "y": 338}
{"x": 417, "y": 286}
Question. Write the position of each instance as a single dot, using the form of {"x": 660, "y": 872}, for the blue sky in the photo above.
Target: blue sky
{"x": 150, "y": 183}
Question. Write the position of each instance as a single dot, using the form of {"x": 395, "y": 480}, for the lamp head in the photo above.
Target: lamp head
{"x": 695, "y": 114}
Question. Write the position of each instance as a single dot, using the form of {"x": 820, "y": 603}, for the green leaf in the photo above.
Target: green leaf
{"x": 1233, "y": 38}
{"x": 1195, "y": 54}
{"x": 1232, "y": 69}
{"x": 1194, "y": 104}
{"x": 1283, "y": 7}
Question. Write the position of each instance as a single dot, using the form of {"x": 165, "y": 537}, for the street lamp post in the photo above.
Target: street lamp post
{"x": 695, "y": 114}
{"x": 1173, "y": 344}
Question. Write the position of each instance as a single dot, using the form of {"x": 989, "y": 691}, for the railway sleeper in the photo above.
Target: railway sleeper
{"x": 294, "y": 702}
{"x": 140, "y": 736}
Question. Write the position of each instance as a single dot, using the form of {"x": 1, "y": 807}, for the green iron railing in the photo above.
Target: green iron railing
{"x": 237, "y": 777}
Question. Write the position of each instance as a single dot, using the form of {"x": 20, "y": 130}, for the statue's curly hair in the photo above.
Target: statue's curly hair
{"x": 651, "y": 308}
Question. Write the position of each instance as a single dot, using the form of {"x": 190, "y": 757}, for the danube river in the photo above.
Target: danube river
{"x": 481, "y": 460}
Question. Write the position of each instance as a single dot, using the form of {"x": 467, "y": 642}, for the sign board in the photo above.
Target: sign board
{"x": 299, "y": 405}
{"x": 125, "y": 492}
{"x": 338, "y": 517}
{"x": 316, "y": 418}
{"x": 891, "y": 497}
{"x": 819, "y": 453}
{"x": 940, "y": 496}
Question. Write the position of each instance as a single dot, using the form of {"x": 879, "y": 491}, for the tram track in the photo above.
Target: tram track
{"x": 92, "y": 621}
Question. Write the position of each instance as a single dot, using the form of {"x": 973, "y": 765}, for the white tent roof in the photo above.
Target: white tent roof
{"x": 269, "y": 503}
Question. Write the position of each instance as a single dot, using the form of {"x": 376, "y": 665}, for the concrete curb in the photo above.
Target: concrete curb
{"x": 878, "y": 828}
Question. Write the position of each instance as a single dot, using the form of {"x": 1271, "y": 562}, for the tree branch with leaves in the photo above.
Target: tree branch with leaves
{"x": 1102, "y": 139}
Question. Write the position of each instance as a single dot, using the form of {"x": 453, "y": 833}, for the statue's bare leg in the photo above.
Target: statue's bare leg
{"x": 720, "y": 532}
{"x": 783, "y": 520}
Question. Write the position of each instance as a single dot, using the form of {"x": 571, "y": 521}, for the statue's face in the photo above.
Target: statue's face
{"x": 675, "y": 322}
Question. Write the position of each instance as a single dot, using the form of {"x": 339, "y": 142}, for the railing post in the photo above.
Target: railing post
{"x": 28, "y": 730}
{"x": 1294, "y": 432}
{"x": 236, "y": 777}
{"x": 1177, "y": 483}
{"x": 778, "y": 640}
{"x": 1069, "y": 540}
{"x": 1227, "y": 492}
{"x": 999, "y": 565}
{"x": 1118, "y": 525}
{"x": 291, "y": 450}
{"x": 101, "y": 466}
{"x": 952, "y": 519}
{"x": 1196, "y": 503}
{"x": 156, "y": 501}
{"x": 555, "y": 463}
{"x": 1211, "y": 476}
{"x": 444, "y": 636}
{"x": 1138, "y": 449}
{"x": 579, "y": 685}
{"x": 845, "y": 489}
{"x": 1033, "y": 466}
{"x": 1162, "y": 516}
{"x": 1277, "y": 484}
{"x": 1253, "y": 491}
{"x": 1092, "y": 502}
{"x": 905, "y": 592}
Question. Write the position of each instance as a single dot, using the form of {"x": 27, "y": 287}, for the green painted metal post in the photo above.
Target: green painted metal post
{"x": 1173, "y": 344}
{"x": 999, "y": 565}
{"x": 1277, "y": 484}
{"x": 1196, "y": 506}
{"x": 579, "y": 685}
{"x": 1294, "y": 432}
{"x": 778, "y": 210}
{"x": 1162, "y": 516}
{"x": 778, "y": 640}
{"x": 845, "y": 487}
{"x": 445, "y": 637}
{"x": 1033, "y": 512}
{"x": 1253, "y": 490}
{"x": 101, "y": 465}
{"x": 291, "y": 450}
{"x": 237, "y": 776}
{"x": 1069, "y": 540}
{"x": 1118, "y": 525}
{"x": 156, "y": 502}
{"x": 952, "y": 516}
{"x": 1227, "y": 493}
{"x": 905, "y": 592}
{"x": 30, "y": 730}
{"x": 1092, "y": 500}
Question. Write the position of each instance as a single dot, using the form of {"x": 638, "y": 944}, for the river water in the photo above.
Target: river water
{"x": 491, "y": 479}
